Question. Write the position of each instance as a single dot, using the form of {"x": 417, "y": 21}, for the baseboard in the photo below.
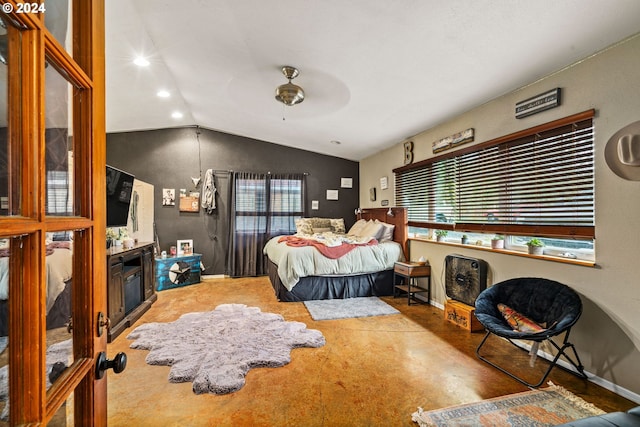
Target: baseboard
{"x": 621, "y": 391}
{"x": 213, "y": 276}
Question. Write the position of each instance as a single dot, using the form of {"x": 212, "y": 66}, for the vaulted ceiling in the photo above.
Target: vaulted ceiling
{"x": 374, "y": 72}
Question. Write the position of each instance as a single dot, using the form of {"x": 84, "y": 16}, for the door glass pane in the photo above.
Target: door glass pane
{"x": 5, "y": 247}
{"x": 64, "y": 416}
{"x": 59, "y": 147}
{"x": 57, "y": 19}
{"x": 59, "y": 265}
{"x": 9, "y": 159}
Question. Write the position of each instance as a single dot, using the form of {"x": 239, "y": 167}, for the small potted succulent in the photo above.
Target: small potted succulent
{"x": 441, "y": 234}
{"x": 536, "y": 246}
{"x": 464, "y": 239}
{"x": 497, "y": 242}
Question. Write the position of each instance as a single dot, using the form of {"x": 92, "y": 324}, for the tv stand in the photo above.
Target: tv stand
{"x": 130, "y": 285}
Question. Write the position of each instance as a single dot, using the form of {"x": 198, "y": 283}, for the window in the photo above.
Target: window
{"x": 538, "y": 182}
{"x": 268, "y": 203}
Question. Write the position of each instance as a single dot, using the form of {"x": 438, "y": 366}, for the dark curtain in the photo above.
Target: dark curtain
{"x": 262, "y": 206}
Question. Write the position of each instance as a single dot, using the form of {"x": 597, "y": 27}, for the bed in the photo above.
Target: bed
{"x": 58, "y": 275}
{"x": 303, "y": 273}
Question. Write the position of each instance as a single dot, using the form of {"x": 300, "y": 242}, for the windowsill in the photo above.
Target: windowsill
{"x": 509, "y": 252}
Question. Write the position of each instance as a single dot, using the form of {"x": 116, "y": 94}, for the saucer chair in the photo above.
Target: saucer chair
{"x": 543, "y": 301}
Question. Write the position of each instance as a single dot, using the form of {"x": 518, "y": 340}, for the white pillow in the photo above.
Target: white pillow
{"x": 357, "y": 227}
{"x": 387, "y": 231}
{"x": 371, "y": 229}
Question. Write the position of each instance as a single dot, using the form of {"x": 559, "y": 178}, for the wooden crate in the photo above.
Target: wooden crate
{"x": 462, "y": 315}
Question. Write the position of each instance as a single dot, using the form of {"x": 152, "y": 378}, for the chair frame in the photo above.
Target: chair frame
{"x": 562, "y": 350}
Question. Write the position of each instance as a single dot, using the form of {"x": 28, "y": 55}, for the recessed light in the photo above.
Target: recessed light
{"x": 335, "y": 142}
{"x": 176, "y": 115}
{"x": 163, "y": 94}
{"x": 141, "y": 62}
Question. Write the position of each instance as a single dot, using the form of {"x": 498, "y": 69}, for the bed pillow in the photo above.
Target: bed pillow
{"x": 518, "y": 322}
{"x": 303, "y": 226}
{"x": 337, "y": 225}
{"x": 322, "y": 230}
{"x": 357, "y": 227}
{"x": 371, "y": 229}
{"x": 387, "y": 231}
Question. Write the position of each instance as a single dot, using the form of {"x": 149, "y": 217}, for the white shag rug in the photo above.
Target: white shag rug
{"x": 348, "y": 307}
{"x": 216, "y": 349}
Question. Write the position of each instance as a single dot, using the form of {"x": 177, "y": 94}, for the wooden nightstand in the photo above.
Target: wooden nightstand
{"x": 410, "y": 271}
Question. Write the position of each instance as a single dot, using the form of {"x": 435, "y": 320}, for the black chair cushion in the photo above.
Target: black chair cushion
{"x": 544, "y": 301}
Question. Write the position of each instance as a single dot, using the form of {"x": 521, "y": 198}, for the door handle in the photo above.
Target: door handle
{"x": 118, "y": 364}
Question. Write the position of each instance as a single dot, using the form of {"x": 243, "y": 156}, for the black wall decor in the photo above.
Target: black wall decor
{"x": 168, "y": 158}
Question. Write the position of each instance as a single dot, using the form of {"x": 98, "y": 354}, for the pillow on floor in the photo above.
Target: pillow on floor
{"x": 518, "y": 322}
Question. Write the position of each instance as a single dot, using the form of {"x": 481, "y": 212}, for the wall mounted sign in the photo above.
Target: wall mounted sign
{"x": 538, "y": 103}
{"x": 453, "y": 140}
{"x": 408, "y": 152}
{"x": 384, "y": 183}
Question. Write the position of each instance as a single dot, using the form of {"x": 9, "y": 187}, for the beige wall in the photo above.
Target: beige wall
{"x": 608, "y": 334}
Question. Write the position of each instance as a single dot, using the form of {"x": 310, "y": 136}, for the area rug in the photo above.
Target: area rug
{"x": 544, "y": 407}
{"x": 349, "y": 307}
{"x": 216, "y": 349}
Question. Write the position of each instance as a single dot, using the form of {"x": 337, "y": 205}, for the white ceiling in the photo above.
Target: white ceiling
{"x": 375, "y": 72}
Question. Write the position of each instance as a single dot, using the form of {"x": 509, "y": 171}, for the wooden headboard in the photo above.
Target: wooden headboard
{"x": 398, "y": 218}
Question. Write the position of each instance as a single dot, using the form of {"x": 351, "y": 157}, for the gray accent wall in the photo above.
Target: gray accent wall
{"x": 168, "y": 158}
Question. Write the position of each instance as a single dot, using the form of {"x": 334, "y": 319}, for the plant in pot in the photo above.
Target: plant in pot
{"x": 441, "y": 234}
{"x": 464, "y": 239}
{"x": 497, "y": 242}
{"x": 536, "y": 246}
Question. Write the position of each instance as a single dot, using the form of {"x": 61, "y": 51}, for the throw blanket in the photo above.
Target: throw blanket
{"x": 333, "y": 252}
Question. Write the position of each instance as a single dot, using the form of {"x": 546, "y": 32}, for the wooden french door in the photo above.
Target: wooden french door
{"x": 52, "y": 212}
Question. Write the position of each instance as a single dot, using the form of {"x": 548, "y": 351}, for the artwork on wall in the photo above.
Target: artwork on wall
{"x": 538, "y": 103}
{"x": 315, "y": 205}
{"x": 453, "y": 140}
{"x": 346, "y": 182}
{"x": 372, "y": 194}
{"x": 332, "y": 194}
{"x": 384, "y": 183}
{"x": 168, "y": 197}
{"x": 189, "y": 202}
{"x": 185, "y": 247}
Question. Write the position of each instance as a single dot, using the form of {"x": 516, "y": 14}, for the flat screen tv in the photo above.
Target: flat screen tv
{"x": 119, "y": 189}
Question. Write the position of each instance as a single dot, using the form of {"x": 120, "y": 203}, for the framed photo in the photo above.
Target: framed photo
{"x": 185, "y": 247}
{"x": 346, "y": 182}
{"x": 332, "y": 194}
{"x": 168, "y": 197}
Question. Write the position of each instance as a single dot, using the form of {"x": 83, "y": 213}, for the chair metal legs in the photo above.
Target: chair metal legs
{"x": 561, "y": 351}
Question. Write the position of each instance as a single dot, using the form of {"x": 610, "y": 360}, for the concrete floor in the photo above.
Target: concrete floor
{"x": 373, "y": 371}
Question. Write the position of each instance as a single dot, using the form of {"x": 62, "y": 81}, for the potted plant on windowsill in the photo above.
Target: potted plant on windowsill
{"x": 441, "y": 234}
{"x": 536, "y": 246}
{"x": 464, "y": 239}
{"x": 497, "y": 242}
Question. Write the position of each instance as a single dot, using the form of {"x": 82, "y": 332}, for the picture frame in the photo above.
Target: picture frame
{"x": 185, "y": 247}
{"x": 332, "y": 194}
{"x": 346, "y": 182}
{"x": 168, "y": 197}
{"x": 384, "y": 183}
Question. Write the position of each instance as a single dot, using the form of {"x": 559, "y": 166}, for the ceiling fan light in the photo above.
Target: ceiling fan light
{"x": 289, "y": 94}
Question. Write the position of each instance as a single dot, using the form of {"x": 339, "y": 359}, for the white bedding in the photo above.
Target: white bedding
{"x": 296, "y": 262}
{"x": 59, "y": 269}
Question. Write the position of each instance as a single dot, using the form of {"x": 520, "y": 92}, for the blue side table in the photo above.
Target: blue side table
{"x": 178, "y": 271}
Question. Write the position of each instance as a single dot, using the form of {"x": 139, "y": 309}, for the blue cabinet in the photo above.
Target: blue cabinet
{"x": 177, "y": 271}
